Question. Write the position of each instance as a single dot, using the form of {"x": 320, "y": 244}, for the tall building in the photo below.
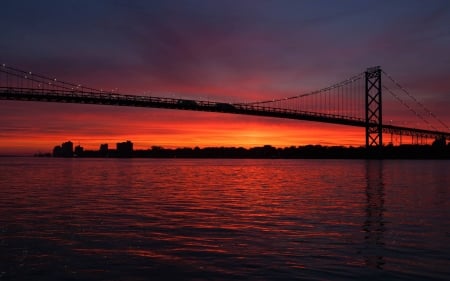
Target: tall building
{"x": 67, "y": 149}
{"x": 124, "y": 149}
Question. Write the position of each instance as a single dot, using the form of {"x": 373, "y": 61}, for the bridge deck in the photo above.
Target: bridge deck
{"x": 83, "y": 97}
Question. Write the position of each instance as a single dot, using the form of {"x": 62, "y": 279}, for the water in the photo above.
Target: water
{"x": 172, "y": 219}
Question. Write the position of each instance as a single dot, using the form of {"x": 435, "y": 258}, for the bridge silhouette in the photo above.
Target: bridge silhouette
{"x": 356, "y": 101}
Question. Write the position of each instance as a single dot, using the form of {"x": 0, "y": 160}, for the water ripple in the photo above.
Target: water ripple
{"x": 134, "y": 219}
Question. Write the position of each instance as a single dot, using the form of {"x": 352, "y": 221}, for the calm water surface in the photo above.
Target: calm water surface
{"x": 152, "y": 219}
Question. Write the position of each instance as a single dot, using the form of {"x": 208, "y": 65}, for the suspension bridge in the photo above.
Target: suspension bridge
{"x": 356, "y": 101}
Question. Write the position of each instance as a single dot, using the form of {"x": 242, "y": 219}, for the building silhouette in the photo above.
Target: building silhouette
{"x": 78, "y": 150}
{"x": 64, "y": 150}
{"x": 67, "y": 149}
{"x": 124, "y": 149}
{"x": 103, "y": 151}
{"x": 57, "y": 151}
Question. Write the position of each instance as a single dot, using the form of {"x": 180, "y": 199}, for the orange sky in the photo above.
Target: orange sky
{"x": 90, "y": 125}
{"x": 30, "y": 127}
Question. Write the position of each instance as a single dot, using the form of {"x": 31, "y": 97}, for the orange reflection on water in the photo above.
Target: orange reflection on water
{"x": 224, "y": 218}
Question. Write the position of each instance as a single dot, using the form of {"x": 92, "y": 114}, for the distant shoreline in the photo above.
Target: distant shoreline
{"x": 270, "y": 152}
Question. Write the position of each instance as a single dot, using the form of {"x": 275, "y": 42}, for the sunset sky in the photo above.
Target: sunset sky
{"x": 231, "y": 51}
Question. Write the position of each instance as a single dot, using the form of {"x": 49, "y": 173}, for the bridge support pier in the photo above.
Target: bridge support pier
{"x": 374, "y": 128}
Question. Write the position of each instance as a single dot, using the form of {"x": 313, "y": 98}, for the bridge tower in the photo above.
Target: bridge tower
{"x": 374, "y": 128}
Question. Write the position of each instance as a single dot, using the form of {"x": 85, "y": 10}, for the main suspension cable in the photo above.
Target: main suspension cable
{"x": 340, "y": 84}
{"x": 421, "y": 105}
{"x": 409, "y": 108}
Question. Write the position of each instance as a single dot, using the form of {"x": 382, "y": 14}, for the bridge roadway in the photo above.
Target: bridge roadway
{"x": 86, "y": 97}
